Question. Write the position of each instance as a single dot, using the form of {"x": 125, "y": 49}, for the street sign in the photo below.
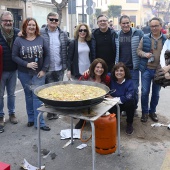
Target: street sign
{"x": 72, "y": 7}
{"x": 89, "y": 3}
{"x": 89, "y": 10}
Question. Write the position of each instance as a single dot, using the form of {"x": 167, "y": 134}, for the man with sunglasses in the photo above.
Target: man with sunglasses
{"x": 149, "y": 50}
{"x": 9, "y": 70}
{"x": 103, "y": 42}
{"x": 127, "y": 44}
{"x": 58, "y": 42}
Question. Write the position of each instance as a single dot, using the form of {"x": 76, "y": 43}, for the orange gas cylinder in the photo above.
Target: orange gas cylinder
{"x": 106, "y": 134}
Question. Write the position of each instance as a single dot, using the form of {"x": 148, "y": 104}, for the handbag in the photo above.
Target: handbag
{"x": 161, "y": 78}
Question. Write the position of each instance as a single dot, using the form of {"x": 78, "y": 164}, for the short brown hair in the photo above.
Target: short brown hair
{"x": 76, "y": 32}
{"x": 157, "y": 19}
{"x": 116, "y": 67}
{"x": 25, "y": 24}
{"x": 6, "y": 13}
{"x": 52, "y": 14}
{"x": 93, "y": 65}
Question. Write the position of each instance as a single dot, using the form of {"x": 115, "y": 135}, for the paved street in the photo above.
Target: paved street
{"x": 147, "y": 149}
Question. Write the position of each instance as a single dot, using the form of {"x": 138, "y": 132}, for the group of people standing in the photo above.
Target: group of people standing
{"x": 104, "y": 56}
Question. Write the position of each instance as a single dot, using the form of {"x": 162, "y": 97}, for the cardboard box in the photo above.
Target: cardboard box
{"x": 4, "y": 166}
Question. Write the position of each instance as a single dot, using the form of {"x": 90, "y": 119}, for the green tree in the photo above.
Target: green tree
{"x": 160, "y": 8}
{"x": 60, "y": 7}
{"x": 114, "y": 11}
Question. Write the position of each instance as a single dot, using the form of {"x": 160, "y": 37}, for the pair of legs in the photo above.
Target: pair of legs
{"x": 147, "y": 79}
{"x": 29, "y": 83}
{"x": 135, "y": 79}
{"x": 8, "y": 82}
{"x": 128, "y": 107}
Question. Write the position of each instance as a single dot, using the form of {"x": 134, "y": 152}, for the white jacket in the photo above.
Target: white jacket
{"x": 166, "y": 46}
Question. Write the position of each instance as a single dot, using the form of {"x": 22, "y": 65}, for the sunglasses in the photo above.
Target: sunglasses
{"x": 7, "y": 21}
{"x": 53, "y": 19}
{"x": 81, "y": 30}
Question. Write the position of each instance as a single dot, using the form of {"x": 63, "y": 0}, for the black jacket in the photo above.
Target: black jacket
{"x": 8, "y": 63}
{"x": 96, "y": 33}
{"x": 73, "y": 58}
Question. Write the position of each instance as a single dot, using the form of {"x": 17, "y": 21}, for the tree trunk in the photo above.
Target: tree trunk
{"x": 59, "y": 7}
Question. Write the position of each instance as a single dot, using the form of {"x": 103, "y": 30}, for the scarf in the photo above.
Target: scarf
{"x": 8, "y": 37}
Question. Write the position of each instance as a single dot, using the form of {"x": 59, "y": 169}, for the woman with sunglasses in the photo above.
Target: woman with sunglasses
{"x": 31, "y": 53}
{"x": 97, "y": 73}
{"x": 79, "y": 56}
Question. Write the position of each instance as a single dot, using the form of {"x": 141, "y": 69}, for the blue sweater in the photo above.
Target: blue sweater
{"x": 125, "y": 90}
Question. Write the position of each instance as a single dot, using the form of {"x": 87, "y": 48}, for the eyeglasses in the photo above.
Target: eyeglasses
{"x": 154, "y": 26}
{"x": 7, "y": 20}
{"x": 125, "y": 23}
{"x": 81, "y": 30}
{"x": 53, "y": 19}
{"x": 102, "y": 21}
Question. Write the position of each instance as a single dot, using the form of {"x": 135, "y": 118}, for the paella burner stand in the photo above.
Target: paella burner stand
{"x": 78, "y": 112}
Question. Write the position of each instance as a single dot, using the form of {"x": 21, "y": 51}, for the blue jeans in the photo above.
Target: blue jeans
{"x": 8, "y": 81}
{"x": 146, "y": 79}
{"x": 29, "y": 83}
{"x": 135, "y": 79}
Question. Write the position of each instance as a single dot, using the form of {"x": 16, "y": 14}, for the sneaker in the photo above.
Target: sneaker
{"x": 123, "y": 113}
{"x": 1, "y": 129}
{"x": 129, "y": 129}
{"x": 13, "y": 119}
{"x": 2, "y": 121}
{"x": 49, "y": 116}
{"x": 55, "y": 116}
{"x": 79, "y": 125}
{"x": 144, "y": 118}
{"x": 153, "y": 116}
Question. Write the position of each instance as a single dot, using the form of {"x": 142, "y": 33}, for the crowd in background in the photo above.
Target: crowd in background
{"x": 114, "y": 58}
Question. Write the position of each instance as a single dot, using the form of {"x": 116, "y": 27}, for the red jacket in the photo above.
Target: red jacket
{"x": 1, "y": 65}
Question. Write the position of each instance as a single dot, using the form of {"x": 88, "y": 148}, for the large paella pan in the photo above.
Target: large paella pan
{"x": 69, "y": 104}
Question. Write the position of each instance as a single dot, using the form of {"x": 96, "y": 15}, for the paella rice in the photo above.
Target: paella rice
{"x": 71, "y": 92}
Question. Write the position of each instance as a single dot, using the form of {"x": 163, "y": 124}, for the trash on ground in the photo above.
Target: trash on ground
{"x": 160, "y": 124}
{"x": 27, "y": 166}
{"x": 83, "y": 145}
{"x": 68, "y": 143}
{"x": 53, "y": 155}
{"x": 46, "y": 155}
{"x": 157, "y": 125}
{"x": 65, "y": 134}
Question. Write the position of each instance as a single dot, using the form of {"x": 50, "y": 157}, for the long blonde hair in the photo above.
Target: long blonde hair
{"x": 76, "y": 32}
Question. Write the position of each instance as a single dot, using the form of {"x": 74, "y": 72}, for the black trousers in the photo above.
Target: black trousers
{"x": 128, "y": 107}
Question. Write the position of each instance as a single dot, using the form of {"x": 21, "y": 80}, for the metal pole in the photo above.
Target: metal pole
{"x": 93, "y": 146}
{"x": 25, "y": 9}
{"x": 82, "y": 11}
{"x": 71, "y": 30}
{"x": 39, "y": 139}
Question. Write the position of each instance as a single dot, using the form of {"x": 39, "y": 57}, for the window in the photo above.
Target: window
{"x": 133, "y": 19}
{"x": 132, "y": 1}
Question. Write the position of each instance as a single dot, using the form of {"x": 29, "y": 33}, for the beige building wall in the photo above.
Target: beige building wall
{"x": 134, "y": 10}
{"x": 16, "y": 7}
